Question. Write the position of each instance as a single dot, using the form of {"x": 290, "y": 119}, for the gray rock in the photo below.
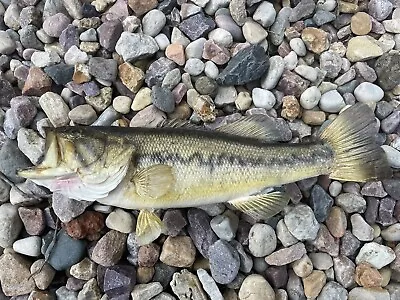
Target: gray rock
{"x": 31, "y": 144}
{"x": 74, "y": 8}
{"x": 391, "y": 122}
{"x": 12, "y": 160}
{"x": 108, "y": 33}
{"x": 109, "y": 249}
{"x": 344, "y": 271}
{"x": 83, "y": 114}
{"x": 134, "y": 46}
{"x": 277, "y": 30}
{"x": 196, "y": 26}
{"x": 64, "y": 293}
{"x": 303, "y": 9}
{"x": 360, "y": 228}
{"x": 10, "y": 225}
{"x": 55, "y": 24}
{"x": 392, "y": 187}
{"x": 105, "y": 69}
{"x": 320, "y": 202}
{"x": 333, "y": 291}
{"x": 226, "y": 22}
{"x": 225, "y": 225}
{"x": 55, "y": 108}
{"x": 67, "y": 209}
{"x": 301, "y": 222}
{"x": 209, "y": 285}
{"x": 322, "y": 17}
{"x": 69, "y": 37}
{"x": 387, "y": 68}
{"x": 224, "y": 262}
{"x": 29, "y": 39}
{"x": 262, "y": 240}
{"x": 163, "y": 99}
{"x": 369, "y": 293}
{"x": 60, "y": 73}
{"x": 351, "y": 203}
{"x": 380, "y": 9}
{"x": 331, "y": 62}
{"x": 265, "y": 14}
{"x": 7, "y": 44}
{"x": 286, "y": 255}
{"x": 349, "y": 244}
{"x": 157, "y": 71}
{"x": 153, "y": 22}
{"x": 7, "y": 92}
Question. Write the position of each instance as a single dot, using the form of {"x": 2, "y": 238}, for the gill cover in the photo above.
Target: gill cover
{"x": 81, "y": 163}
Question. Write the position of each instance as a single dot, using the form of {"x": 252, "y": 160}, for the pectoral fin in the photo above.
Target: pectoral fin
{"x": 261, "y": 206}
{"x": 148, "y": 228}
{"x": 256, "y": 126}
{"x": 154, "y": 181}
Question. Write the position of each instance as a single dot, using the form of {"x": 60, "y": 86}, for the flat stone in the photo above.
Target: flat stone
{"x": 143, "y": 45}
{"x": 351, "y": 203}
{"x": 356, "y": 49}
{"x": 314, "y": 283}
{"x": 42, "y": 273}
{"x": 303, "y": 9}
{"x": 361, "y": 229}
{"x": 101, "y": 68}
{"x": 209, "y": 285}
{"x": 178, "y": 252}
{"x": 31, "y": 144}
{"x": 69, "y": 37}
{"x": 286, "y": 255}
{"x": 163, "y": 99}
{"x": 55, "y": 24}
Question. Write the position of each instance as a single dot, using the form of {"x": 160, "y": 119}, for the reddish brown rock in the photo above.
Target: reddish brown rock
{"x": 337, "y": 222}
{"x": 33, "y": 219}
{"x": 367, "y": 276}
{"x": 292, "y": 84}
{"x": 140, "y": 7}
{"x": 176, "y": 53}
{"x": 37, "y": 83}
{"x": 86, "y": 226}
{"x": 148, "y": 255}
{"x": 216, "y": 53}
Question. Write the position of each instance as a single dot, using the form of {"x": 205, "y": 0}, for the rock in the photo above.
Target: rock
{"x": 21, "y": 114}
{"x": 64, "y": 293}
{"x": 42, "y": 273}
{"x": 7, "y": 92}
{"x": 158, "y": 70}
{"x": 33, "y": 220}
{"x": 225, "y": 21}
{"x": 87, "y": 225}
{"x": 369, "y": 293}
{"x": 320, "y": 202}
{"x": 8, "y": 45}
{"x": 356, "y": 49}
{"x": 361, "y": 229}
{"x": 109, "y": 33}
{"x": 101, "y": 101}
{"x": 163, "y": 99}
{"x": 186, "y": 283}
{"x": 196, "y": 26}
{"x": 368, "y": 92}
{"x": 12, "y": 160}
{"x": 119, "y": 280}
{"x": 109, "y": 249}
{"x": 69, "y": 37}
{"x": 316, "y": 40}
{"x": 351, "y": 203}
{"x": 255, "y": 287}
{"x": 29, "y": 246}
{"x": 386, "y": 210}
{"x": 10, "y": 225}
{"x": 337, "y": 222}
{"x": 215, "y": 52}
{"x": 209, "y": 285}
{"x": 90, "y": 290}
{"x": 60, "y": 73}
{"x": 148, "y": 255}
{"x": 286, "y": 255}
{"x": 224, "y": 262}
{"x": 380, "y": 9}
{"x": 392, "y": 156}
{"x": 367, "y": 276}
{"x": 142, "y": 99}
{"x": 361, "y": 23}
{"x": 247, "y": 65}
{"x": 301, "y": 223}
{"x": 54, "y": 25}
{"x": 121, "y": 221}
{"x": 65, "y": 252}
{"x": 314, "y": 283}
{"x": 292, "y": 84}
{"x": 178, "y": 252}
{"x": 67, "y": 209}
{"x": 15, "y": 275}
{"x": 331, "y": 102}
{"x": 225, "y": 225}
{"x": 275, "y": 71}
{"x": 84, "y": 270}
{"x": 153, "y": 22}
{"x": 140, "y": 7}
{"x": 31, "y": 144}
{"x": 101, "y": 68}
{"x": 146, "y": 291}
{"x": 143, "y": 45}
{"x": 83, "y": 114}
{"x": 265, "y": 14}
{"x": 253, "y": 32}
{"x": 375, "y": 254}
{"x": 391, "y": 233}
{"x": 176, "y": 53}
{"x": 132, "y": 77}
{"x": 262, "y": 240}
{"x": 386, "y": 64}
{"x": 55, "y": 108}
{"x": 344, "y": 271}
{"x": 174, "y": 222}
{"x": 349, "y": 244}
{"x": 277, "y": 30}
{"x": 150, "y": 116}
{"x": 263, "y": 98}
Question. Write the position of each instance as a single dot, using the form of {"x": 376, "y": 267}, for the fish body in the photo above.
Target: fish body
{"x": 181, "y": 166}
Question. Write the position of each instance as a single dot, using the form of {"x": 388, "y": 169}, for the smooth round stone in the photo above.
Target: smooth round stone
{"x": 211, "y": 70}
{"x": 393, "y": 156}
{"x": 380, "y": 9}
{"x": 335, "y": 188}
{"x": 121, "y": 221}
{"x": 361, "y": 23}
{"x": 29, "y": 246}
{"x": 243, "y": 101}
{"x": 262, "y": 240}
{"x": 263, "y": 98}
{"x": 291, "y": 60}
{"x": 361, "y": 229}
{"x": 10, "y": 224}
{"x": 368, "y": 92}
{"x": 162, "y": 41}
{"x": 221, "y": 37}
{"x": 310, "y": 97}
{"x": 321, "y": 260}
{"x": 122, "y": 104}
{"x": 256, "y": 287}
{"x": 224, "y": 262}
{"x": 171, "y": 79}
{"x": 298, "y": 46}
{"x": 331, "y": 102}
{"x": 225, "y": 95}
{"x": 142, "y": 99}
{"x": 55, "y": 24}
{"x": 178, "y": 251}
{"x": 361, "y": 48}
{"x": 195, "y": 48}
{"x": 303, "y": 266}
{"x": 194, "y": 66}
{"x": 301, "y": 222}
{"x": 253, "y": 32}
{"x": 275, "y": 71}
{"x": 265, "y": 14}
{"x": 226, "y": 22}
{"x": 83, "y": 114}
{"x": 225, "y": 225}
{"x": 391, "y": 233}
{"x": 307, "y": 72}
{"x": 153, "y": 22}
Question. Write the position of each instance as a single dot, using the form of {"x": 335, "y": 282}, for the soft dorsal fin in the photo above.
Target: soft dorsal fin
{"x": 154, "y": 181}
{"x": 177, "y": 123}
{"x": 255, "y": 126}
{"x": 148, "y": 228}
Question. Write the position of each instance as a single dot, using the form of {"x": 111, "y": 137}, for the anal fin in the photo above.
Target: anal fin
{"x": 148, "y": 228}
{"x": 262, "y": 206}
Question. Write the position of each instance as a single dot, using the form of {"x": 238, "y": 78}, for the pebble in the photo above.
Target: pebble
{"x": 225, "y": 225}
{"x": 148, "y": 255}
{"x": 277, "y": 30}
{"x": 121, "y": 221}
{"x": 15, "y": 275}
{"x": 386, "y": 210}
{"x": 286, "y": 255}
{"x": 149, "y": 116}
{"x": 284, "y": 235}
{"x": 263, "y": 98}
{"x": 331, "y": 102}
{"x": 253, "y": 32}
{"x": 221, "y": 37}
{"x": 307, "y": 72}
{"x": 392, "y": 155}
{"x": 162, "y": 41}
{"x": 349, "y": 244}
{"x": 390, "y": 123}
{"x": 140, "y": 7}
{"x": 224, "y": 262}
{"x": 298, "y": 46}
{"x": 314, "y": 283}
{"x": 316, "y": 40}
{"x": 8, "y": 45}
{"x": 255, "y": 287}
{"x": 117, "y": 281}
{"x": 361, "y": 48}
{"x": 102, "y": 68}
{"x": 275, "y": 71}
{"x": 215, "y": 52}
{"x": 333, "y": 291}
{"x": 29, "y": 246}
{"x": 360, "y": 228}
{"x": 375, "y": 254}
{"x": 367, "y": 276}
{"x": 90, "y": 290}
{"x": 196, "y": 26}
{"x": 60, "y": 73}
{"x": 265, "y": 14}
{"x": 42, "y": 273}
{"x": 146, "y": 291}
{"x": 337, "y": 222}
{"x": 351, "y": 203}
{"x": 176, "y": 53}
{"x": 100, "y": 101}
{"x": 344, "y": 269}
{"x": 226, "y": 22}
{"x": 320, "y": 202}
{"x": 12, "y": 159}
{"x": 83, "y": 114}
{"x": 292, "y": 84}
{"x": 54, "y": 25}
{"x": 84, "y": 270}
{"x": 108, "y": 34}
{"x": 177, "y": 37}
{"x": 109, "y": 249}
{"x": 153, "y": 22}
{"x": 225, "y": 95}
{"x": 301, "y": 223}
{"x": 262, "y": 240}
{"x": 391, "y": 233}
{"x": 194, "y": 66}
{"x": 178, "y": 252}
{"x": 186, "y": 283}
{"x": 361, "y": 23}
{"x": 209, "y": 285}
{"x": 143, "y": 45}
{"x": 10, "y": 225}
{"x": 291, "y": 60}
{"x": 368, "y": 293}
{"x": 163, "y": 99}
{"x": 67, "y": 209}
{"x": 368, "y": 92}
{"x": 380, "y": 9}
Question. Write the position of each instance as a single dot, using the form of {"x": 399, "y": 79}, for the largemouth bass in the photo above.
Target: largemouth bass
{"x": 180, "y": 166}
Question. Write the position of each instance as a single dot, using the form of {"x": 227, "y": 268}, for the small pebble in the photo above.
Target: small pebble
{"x": 375, "y": 254}
{"x": 178, "y": 251}
{"x": 121, "y": 221}
{"x": 301, "y": 222}
{"x": 262, "y": 240}
{"x": 29, "y": 246}
{"x": 224, "y": 262}
{"x": 255, "y": 287}
{"x": 263, "y": 98}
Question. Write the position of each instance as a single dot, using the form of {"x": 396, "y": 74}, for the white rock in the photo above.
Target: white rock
{"x": 392, "y": 26}
{"x": 256, "y": 287}
{"x": 121, "y": 221}
{"x": 55, "y": 108}
{"x": 195, "y": 48}
{"x": 275, "y": 71}
{"x": 43, "y": 59}
{"x": 211, "y": 70}
{"x": 368, "y": 92}
{"x": 31, "y": 144}
{"x": 307, "y": 72}
{"x": 29, "y": 246}
{"x": 209, "y": 285}
{"x": 131, "y": 23}
{"x": 392, "y": 233}
{"x": 253, "y": 32}
{"x": 122, "y": 104}
{"x": 153, "y": 22}
{"x": 263, "y": 98}
{"x": 75, "y": 56}
{"x": 284, "y": 235}
{"x": 298, "y": 46}
{"x": 291, "y": 60}
{"x": 221, "y": 37}
{"x": 361, "y": 293}
{"x": 301, "y": 222}
{"x": 177, "y": 37}
{"x": 393, "y": 156}
{"x": 162, "y": 41}
{"x": 10, "y": 224}
{"x": 7, "y": 44}
{"x": 89, "y": 35}
{"x": 146, "y": 291}
{"x": 262, "y": 240}
{"x": 310, "y": 97}
{"x": 375, "y": 254}
{"x": 194, "y": 66}
{"x": 331, "y": 102}
{"x": 265, "y": 14}
{"x": 225, "y": 95}
{"x": 243, "y": 101}
{"x": 361, "y": 229}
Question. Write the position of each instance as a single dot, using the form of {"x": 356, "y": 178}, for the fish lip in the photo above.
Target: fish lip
{"x": 43, "y": 173}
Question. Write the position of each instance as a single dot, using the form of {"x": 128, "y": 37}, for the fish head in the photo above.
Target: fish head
{"x": 81, "y": 155}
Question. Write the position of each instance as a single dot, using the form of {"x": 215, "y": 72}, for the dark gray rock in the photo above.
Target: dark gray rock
{"x": 224, "y": 262}
{"x": 119, "y": 281}
{"x": 197, "y": 26}
{"x": 392, "y": 187}
{"x": 102, "y": 68}
{"x": 322, "y": 17}
{"x": 157, "y": 70}
{"x": 69, "y": 37}
{"x": 163, "y": 99}
{"x": 292, "y": 84}
{"x": 320, "y": 202}
{"x": 249, "y": 64}
{"x": 391, "y": 122}
{"x": 7, "y": 92}
{"x": 174, "y": 222}
{"x": 163, "y": 274}
{"x": 12, "y": 160}
{"x": 277, "y": 276}
{"x": 200, "y": 230}
{"x": 383, "y": 109}
{"x": 385, "y": 212}
{"x": 60, "y": 73}
{"x": 29, "y": 39}
{"x": 387, "y": 68}
{"x": 349, "y": 244}
{"x": 303, "y": 9}
{"x": 371, "y": 213}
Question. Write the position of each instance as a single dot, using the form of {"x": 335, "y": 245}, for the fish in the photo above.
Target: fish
{"x": 180, "y": 165}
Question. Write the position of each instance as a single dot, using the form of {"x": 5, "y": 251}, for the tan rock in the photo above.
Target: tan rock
{"x": 81, "y": 73}
{"x": 140, "y": 7}
{"x": 361, "y": 23}
{"x": 178, "y": 251}
{"x": 361, "y": 48}
{"x": 37, "y": 83}
{"x": 347, "y": 7}
{"x": 131, "y": 76}
{"x": 316, "y": 40}
{"x": 203, "y": 105}
{"x": 144, "y": 274}
{"x": 256, "y": 287}
{"x": 314, "y": 283}
{"x": 290, "y": 108}
{"x": 313, "y": 117}
{"x": 336, "y": 222}
{"x": 142, "y": 99}
{"x": 182, "y": 112}
{"x": 176, "y": 53}
{"x": 367, "y": 276}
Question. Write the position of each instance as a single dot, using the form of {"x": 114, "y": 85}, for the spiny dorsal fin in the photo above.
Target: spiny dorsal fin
{"x": 177, "y": 123}
{"x": 255, "y": 126}
{"x": 262, "y": 206}
{"x": 154, "y": 181}
{"x": 148, "y": 228}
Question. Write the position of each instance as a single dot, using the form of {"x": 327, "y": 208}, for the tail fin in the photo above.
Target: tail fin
{"x": 352, "y": 138}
